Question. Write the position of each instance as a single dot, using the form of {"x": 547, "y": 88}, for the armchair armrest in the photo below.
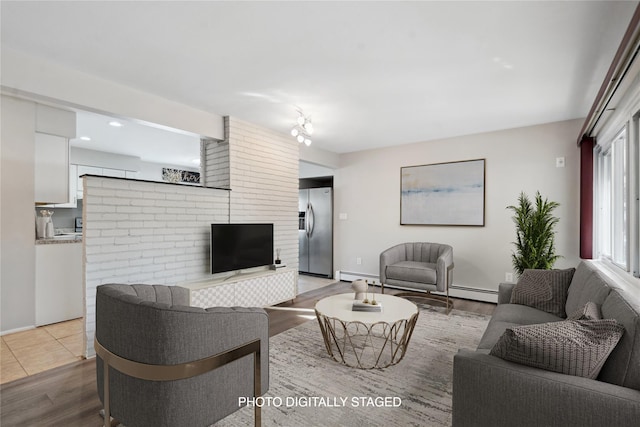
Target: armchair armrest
{"x": 504, "y": 292}
{"x": 536, "y": 397}
{"x": 444, "y": 266}
{"x": 178, "y": 372}
{"x": 391, "y": 256}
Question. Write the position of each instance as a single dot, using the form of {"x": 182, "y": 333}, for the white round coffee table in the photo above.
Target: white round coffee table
{"x": 366, "y": 340}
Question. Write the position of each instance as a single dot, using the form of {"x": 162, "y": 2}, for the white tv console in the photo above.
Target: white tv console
{"x": 254, "y": 289}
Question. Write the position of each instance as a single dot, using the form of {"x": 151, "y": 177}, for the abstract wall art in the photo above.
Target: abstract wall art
{"x": 443, "y": 193}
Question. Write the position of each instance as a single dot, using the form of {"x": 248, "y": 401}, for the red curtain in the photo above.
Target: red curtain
{"x": 586, "y": 197}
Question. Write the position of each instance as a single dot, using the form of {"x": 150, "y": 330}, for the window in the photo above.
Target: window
{"x": 612, "y": 200}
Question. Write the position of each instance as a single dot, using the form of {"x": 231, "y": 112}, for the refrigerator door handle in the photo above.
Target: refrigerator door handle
{"x": 312, "y": 220}
{"x": 307, "y": 218}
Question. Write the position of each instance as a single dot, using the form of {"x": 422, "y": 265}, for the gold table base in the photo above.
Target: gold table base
{"x": 366, "y": 346}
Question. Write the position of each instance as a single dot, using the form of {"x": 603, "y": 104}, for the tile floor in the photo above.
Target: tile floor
{"x": 37, "y": 350}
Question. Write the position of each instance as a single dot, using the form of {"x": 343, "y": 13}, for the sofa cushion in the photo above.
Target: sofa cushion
{"x": 623, "y": 366}
{"x": 589, "y": 311}
{"x": 545, "y": 290}
{"x": 522, "y": 314}
{"x": 572, "y": 347}
{"x": 412, "y": 271}
{"x": 492, "y": 334}
{"x": 508, "y": 315}
{"x": 587, "y": 285}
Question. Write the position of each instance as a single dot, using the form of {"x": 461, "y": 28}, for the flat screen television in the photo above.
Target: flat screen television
{"x": 239, "y": 246}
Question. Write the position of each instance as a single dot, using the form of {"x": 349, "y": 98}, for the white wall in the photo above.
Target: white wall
{"x": 309, "y": 170}
{"x": 17, "y": 234}
{"x": 367, "y": 189}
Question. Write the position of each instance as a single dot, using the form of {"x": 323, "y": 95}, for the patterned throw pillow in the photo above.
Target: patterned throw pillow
{"x": 572, "y": 347}
{"x": 590, "y": 311}
{"x": 545, "y": 290}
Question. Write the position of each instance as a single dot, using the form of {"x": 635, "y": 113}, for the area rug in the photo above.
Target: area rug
{"x": 308, "y": 388}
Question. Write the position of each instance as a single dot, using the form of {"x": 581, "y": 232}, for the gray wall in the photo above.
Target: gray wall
{"x": 367, "y": 189}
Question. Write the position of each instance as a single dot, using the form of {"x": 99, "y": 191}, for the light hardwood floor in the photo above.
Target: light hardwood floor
{"x": 67, "y": 396}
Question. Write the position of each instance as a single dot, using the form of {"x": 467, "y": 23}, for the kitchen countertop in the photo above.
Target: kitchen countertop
{"x": 60, "y": 240}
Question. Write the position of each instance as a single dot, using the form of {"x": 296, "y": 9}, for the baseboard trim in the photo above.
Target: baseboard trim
{"x": 13, "y": 331}
{"x": 465, "y": 292}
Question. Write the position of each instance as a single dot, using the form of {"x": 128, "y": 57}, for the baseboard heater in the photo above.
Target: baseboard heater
{"x": 476, "y": 294}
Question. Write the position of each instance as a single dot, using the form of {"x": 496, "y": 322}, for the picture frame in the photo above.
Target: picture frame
{"x": 450, "y": 193}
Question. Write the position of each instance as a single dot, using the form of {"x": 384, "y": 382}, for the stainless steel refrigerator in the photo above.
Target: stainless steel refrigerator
{"x": 315, "y": 231}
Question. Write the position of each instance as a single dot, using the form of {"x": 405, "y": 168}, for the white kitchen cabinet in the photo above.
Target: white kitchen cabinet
{"x": 51, "y": 167}
{"x": 59, "y": 293}
{"x": 73, "y": 189}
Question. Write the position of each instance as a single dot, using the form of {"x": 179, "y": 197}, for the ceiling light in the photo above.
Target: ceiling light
{"x": 115, "y": 124}
{"x": 85, "y": 138}
{"x": 303, "y": 129}
{"x": 308, "y": 127}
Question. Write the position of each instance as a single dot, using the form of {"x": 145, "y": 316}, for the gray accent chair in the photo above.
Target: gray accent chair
{"x": 184, "y": 365}
{"x": 420, "y": 268}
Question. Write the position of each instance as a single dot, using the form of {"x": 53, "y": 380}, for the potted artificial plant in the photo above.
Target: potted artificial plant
{"x": 534, "y": 233}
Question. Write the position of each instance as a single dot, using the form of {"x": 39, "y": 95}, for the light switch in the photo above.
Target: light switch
{"x": 559, "y": 162}
{"x": 342, "y": 215}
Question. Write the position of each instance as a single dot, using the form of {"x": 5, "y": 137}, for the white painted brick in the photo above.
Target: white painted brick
{"x": 128, "y": 209}
{"x": 99, "y": 241}
{"x": 127, "y": 240}
{"x": 128, "y": 225}
{"x": 143, "y": 202}
{"x": 97, "y": 207}
{"x": 107, "y": 232}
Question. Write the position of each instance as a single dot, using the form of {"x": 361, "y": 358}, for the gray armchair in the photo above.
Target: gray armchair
{"x": 420, "y": 268}
{"x": 161, "y": 362}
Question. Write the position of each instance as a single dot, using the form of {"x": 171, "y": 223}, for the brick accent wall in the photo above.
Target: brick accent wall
{"x": 147, "y": 232}
{"x": 264, "y": 182}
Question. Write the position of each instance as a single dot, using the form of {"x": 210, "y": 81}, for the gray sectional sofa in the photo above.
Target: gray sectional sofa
{"x": 491, "y": 391}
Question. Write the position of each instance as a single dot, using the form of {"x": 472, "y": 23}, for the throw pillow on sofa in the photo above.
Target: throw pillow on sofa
{"x": 589, "y": 311}
{"x": 545, "y": 290}
{"x": 572, "y": 347}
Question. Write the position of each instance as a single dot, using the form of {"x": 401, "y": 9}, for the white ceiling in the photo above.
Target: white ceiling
{"x": 370, "y": 74}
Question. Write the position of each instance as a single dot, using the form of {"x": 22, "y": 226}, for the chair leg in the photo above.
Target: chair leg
{"x": 257, "y": 388}
{"x": 107, "y": 409}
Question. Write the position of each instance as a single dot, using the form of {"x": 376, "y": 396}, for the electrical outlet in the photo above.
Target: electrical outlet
{"x": 508, "y": 277}
{"x": 359, "y": 261}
